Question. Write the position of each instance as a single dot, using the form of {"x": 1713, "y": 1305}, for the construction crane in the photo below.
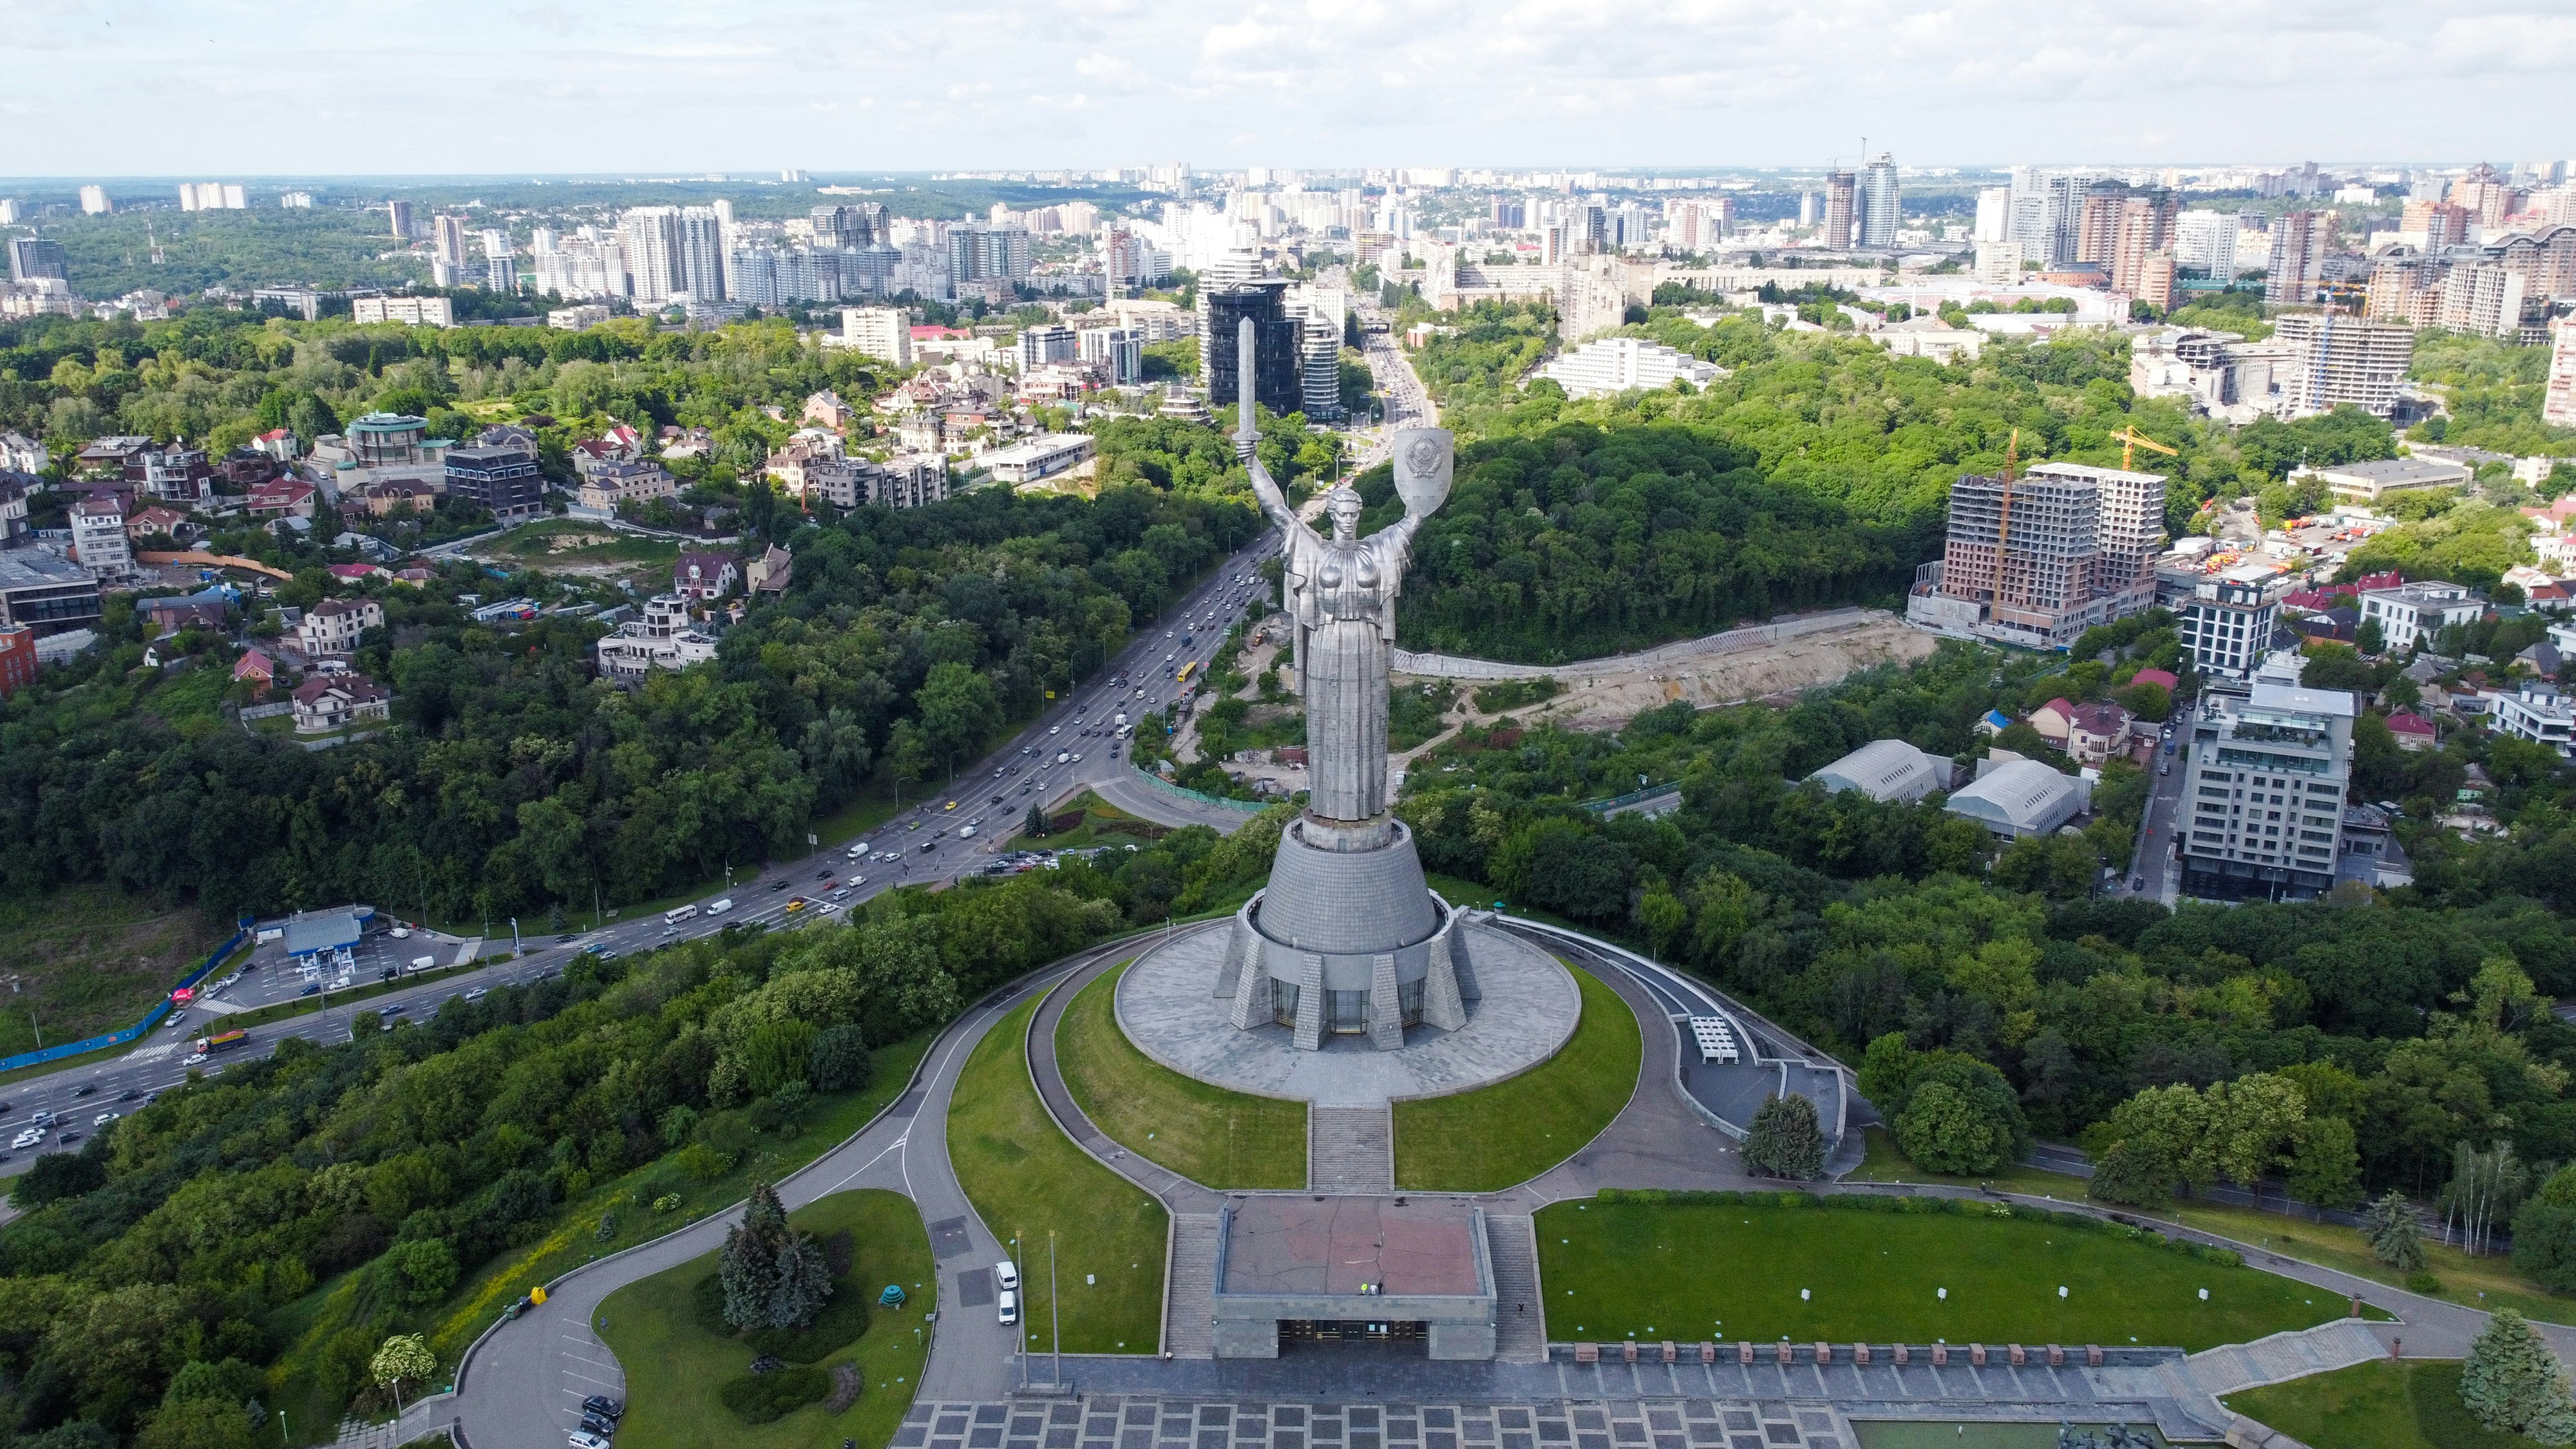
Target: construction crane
{"x": 2003, "y": 525}
{"x": 2130, "y": 440}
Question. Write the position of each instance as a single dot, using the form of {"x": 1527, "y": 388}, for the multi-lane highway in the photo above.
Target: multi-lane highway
{"x": 957, "y": 831}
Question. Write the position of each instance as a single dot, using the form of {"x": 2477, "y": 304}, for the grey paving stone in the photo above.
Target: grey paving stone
{"x": 1363, "y": 1416}
{"x": 1591, "y": 1441}
{"x": 1741, "y": 1419}
{"x": 1288, "y": 1416}
{"x": 985, "y": 1436}
{"x": 1591, "y": 1419}
{"x": 1628, "y": 1432}
{"x": 1513, "y": 1418}
{"x": 1061, "y": 1437}
{"x": 992, "y": 1413}
{"x": 1440, "y": 1439}
{"x": 1364, "y": 1439}
{"x": 1287, "y": 1439}
{"x": 1439, "y": 1418}
{"x": 911, "y": 1436}
{"x": 1519, "y": 1439}
{"x": 951, "y": 1424}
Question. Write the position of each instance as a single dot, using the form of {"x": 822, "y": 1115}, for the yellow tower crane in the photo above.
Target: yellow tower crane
{"x": 2130, "y": 440}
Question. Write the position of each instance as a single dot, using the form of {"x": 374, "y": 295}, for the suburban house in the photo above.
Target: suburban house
{"x": 825, "y": 409}
{"x": 420, "y": 494}
{"x": 2416, "y": 612}
{"x": 328, "y": 702}
{"x": 2413, "y": 731}
{"x": 2156, "y": 677}
{"x": 164, "y": 520}
{"x": 703, "y": 577}
{"x": 333, "y": 626}
{"x": 98, "y": 536}
{"x": 606, "y": 485}
{"x": 282, "y": 498}
{"x": 769, "y": 573}
{"x": 257, "y": 669}
{"x": 2088, "y": 733}
{"x": 204, "y": 609}
{"x": 663, "y": 639}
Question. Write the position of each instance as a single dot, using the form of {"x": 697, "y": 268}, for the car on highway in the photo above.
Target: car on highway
{"x": 194, "y": 1059}
{"x": 797, "y": 903}
{"x": 778, "y": 885}
{"x": 310, "y": 989}
{"x": 396, "y": 1009}
{"x": 103, "y": 1118}
{"x": 128, "y": 1095}
{"x": 478, "y": 993}
{"x": 68, "y": 1138}
{"x": 87, "y": 1089}
{"x": 27, "y": 1139}
{"x": 928, "y": 846}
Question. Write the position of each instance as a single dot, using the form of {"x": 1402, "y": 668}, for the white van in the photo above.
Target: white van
{"x": 720, "y": 907}
{"x": 423, "y": 963}
{"x": 859, "y": 851}
{"x": 677, "y": 914}
{"x": 968, "y": 833}
{"x": 1006, "y": 1275}
{"x": 1010, "y": 1307}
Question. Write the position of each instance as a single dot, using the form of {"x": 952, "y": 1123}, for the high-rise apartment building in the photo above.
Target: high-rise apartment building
{"x": 2205, "y": 242}
{"x": 2339, "y": 359}
{"x": 1118, "y": 352}
{"x": 1276, "y": 340}
{"x": 2558, "y": 394}
{"x": 2299, "y": 240}
{"x": 699, "y": 262}
{"x": 1040, "y": 346}
{"x": 36, "y": 259}
{"x": 447, "y": 239}
{"x": 847, "y": 227}
{"x": 1878, "y": 202}
{"x": 94, "y": 201}
{"x": 1841, "y": 209}
{"x": 2268, "y": 773}
{"x": 980, "y": 254}
{"x": 2036, "y": 560}
{"x": 651, "y": 235}
{"x": 884, "y": 333}
{"x": 2484, "y": 195}
{"x": 1994, "y": 214}
{"x": 2433, "y": 225}
{"x": 398, "y": 221}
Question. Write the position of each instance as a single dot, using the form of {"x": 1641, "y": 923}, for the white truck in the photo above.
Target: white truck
{"x": 420, "y": 964}
{"x": 1119, "y": 719}
{"x": 720, "y": 907}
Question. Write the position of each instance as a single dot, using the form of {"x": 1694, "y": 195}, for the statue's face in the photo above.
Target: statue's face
{"x": 1345, "y": 509}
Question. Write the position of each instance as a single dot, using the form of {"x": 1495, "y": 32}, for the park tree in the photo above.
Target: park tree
{"x": 2389, "y": 1225}
{"x": 2513, "y": 1383}
{"x": 838, "y": 1060}
{"x": 773, "y": 1275}
{"x": 1784, "y": 1139}
{"x": 2325, "y": 1164}
{"x": 402, "y": 1359}
{"x": 2544, "y": 1232}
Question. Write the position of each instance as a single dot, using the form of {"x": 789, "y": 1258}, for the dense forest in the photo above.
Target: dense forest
{"x": 1854, "y": 922}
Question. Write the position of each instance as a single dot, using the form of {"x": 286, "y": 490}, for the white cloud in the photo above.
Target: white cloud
{"x": 159, "y": 85}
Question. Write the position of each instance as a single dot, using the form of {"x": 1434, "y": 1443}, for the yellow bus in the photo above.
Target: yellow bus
{"x": 1184, "y": 676}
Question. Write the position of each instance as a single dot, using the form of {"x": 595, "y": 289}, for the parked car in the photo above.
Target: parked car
{"x": 1010, "y": 1307}
{"x": 604, "y": 1406}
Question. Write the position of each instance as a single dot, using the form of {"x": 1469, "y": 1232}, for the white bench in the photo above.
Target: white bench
{"x": 1716, "y": 1040}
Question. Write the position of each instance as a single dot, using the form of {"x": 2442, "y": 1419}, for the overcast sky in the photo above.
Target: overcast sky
{"x": 314, "y": 87}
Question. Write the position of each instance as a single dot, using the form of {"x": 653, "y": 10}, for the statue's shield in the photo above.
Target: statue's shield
{"x": 1424, "y": 460}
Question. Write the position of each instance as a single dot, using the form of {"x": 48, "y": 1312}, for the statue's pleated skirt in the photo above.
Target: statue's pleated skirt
{"x": 1346, "y": 704}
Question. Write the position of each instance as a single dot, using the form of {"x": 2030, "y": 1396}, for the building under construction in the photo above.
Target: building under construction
{"x": 2036, "y": 560}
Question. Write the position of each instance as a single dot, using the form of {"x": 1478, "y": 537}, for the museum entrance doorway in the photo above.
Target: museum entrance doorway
{"x": 1327, "y": 1335}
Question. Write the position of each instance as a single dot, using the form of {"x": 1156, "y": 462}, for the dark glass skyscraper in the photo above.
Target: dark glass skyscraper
{"x": 1274, "y": 378}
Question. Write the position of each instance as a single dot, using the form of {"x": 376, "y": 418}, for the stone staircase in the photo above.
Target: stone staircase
{"x": 1350, "y": 1150}
{"x": 2283, "y": 1356}
{"x": 1519, "y": 1337}
{"x": 1191, "y": 1302}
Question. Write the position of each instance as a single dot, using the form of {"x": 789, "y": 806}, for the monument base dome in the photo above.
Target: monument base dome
{"x": 1346, "y": 942}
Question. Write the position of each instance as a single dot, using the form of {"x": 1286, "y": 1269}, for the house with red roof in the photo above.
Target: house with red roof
{"x": 2088, "y": 733}
{"x": 283, "y": 498}
{"x": 257, "y": 669}
{"x": 2157, "y": 677}
{"x": 2413, "y": 731}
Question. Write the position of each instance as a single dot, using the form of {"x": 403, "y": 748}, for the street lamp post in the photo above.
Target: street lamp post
{"x": 1055, "y": 1318}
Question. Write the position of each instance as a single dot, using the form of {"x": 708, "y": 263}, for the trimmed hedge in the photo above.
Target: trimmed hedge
{"x": 759, "y": 1398}
{"x": 1965, "y": 1207}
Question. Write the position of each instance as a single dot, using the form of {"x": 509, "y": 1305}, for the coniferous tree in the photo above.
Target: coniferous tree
{"x": 2514, "y": 1383}
{"x": 773, "y": 1275}
{"x": 1784, "y": 1139}
{"x": 2389, "y": 1224}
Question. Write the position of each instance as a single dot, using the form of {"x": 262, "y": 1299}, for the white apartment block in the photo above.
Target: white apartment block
{"x": 99, "y": 543}
{"x": 1625, "y": 364}
{"x": 2538, "y": 713}
{"x": 2265, "y": 791}
{"x": 2344, "y": 359}
{"x": 416, "y": 311}
{"x": 2227, "y": 625}
{"x": 2207, "y": 240}
{"x": 2558, "y": 400}
{"x": 2413, "y": 614}
{"x": 94, "y": 202}
{"x": 884, "y": 333}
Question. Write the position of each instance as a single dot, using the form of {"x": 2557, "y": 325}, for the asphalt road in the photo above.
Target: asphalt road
{"x": 2154, "y": 873}
{"x": 929, "y": 843}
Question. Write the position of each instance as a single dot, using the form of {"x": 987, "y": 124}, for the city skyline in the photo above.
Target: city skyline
{"x": 189, "y": 87}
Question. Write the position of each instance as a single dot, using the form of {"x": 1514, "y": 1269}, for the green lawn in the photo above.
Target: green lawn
{"x": 84, "y": 959}
{"x": 1027, "y": 1179}
{"x": 1102, "y": 824}
{"x": 2377, "y": 1405}
{"x": 1691, "y": 1271}
{"x": 674, "y": 1367}
{"x": 1514, "y": 1130}
{"x": 1207, "y": 1134}
{"x": 2470, "y": 1281}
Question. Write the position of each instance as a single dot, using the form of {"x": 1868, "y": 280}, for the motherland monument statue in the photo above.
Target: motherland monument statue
{"x": 1348, "y": 939}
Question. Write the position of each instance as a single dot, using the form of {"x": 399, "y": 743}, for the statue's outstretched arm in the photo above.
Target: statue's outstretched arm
{"x": 1274, "y": 504}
